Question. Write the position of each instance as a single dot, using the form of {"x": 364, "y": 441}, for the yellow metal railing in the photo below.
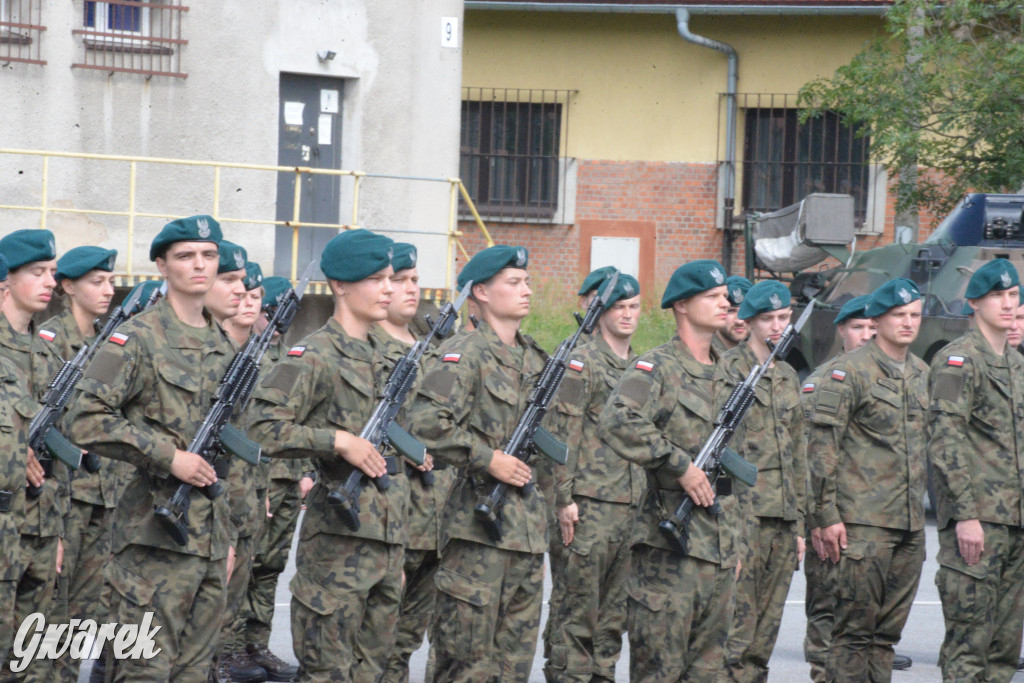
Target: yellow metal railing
{"x": 131, "y": 213}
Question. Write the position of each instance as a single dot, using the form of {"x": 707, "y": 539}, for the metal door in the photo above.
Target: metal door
{"x": 309, "y": 134}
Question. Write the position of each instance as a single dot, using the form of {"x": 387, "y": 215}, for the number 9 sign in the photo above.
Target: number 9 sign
{"x": 450, "y": 32}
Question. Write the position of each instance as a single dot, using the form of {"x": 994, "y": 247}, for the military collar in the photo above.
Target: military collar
{"x": 346, "y": 344}
{"x": 182, "y": 336}
{"x": 889, "y": 364}
{"x": 977, "y": 339}
{"x": 13, "y": 339}
{"x": 601, "y": 345}
{"x": 69, "y": 328}
{"x": 690, "y": 362}
{"x": 501, "y": 351}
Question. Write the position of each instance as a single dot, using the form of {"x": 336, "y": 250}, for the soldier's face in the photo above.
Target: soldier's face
{"x": 226, "y": 294}
{"x": 3, "y": 293}
{"x": 735, "y": 330}
{"x": 92, "y": 292}
{"x": 249, "y": 308}
{"x": 31, "y": 286}
{"x": 706, "y": 311}
{"x": 997, "y": 309}
{"x": 406, "y": 298}
{"x": 189, "y": 267}
{"x": 506, "y": 295}
{"x": 899, "y": 326}
{"x": 769, "y": 326}
{"x": 368, "y": 300}
{"x": 1016, "y": 334}
{"x": 621, "y": 319}
{"x": 856, "y": 332}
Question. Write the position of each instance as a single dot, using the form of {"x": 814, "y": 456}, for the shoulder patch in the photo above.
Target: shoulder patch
{"x": 451, "y": 358}
{"x": 955, "y": 361}
{"x": 119, "y": 338}
{"x": 644, "y": 365}
{"x": 839, "y": 375}
{"x": 808, "y": 388}
{"x": 297, "y": 351}
{"x": 282, "y": 377}
{"x": 576, "y": 365}
{"x": 48, "y": 335}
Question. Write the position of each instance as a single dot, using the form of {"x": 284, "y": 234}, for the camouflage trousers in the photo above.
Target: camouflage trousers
{"x": 761, "y": 590}
{"x": 230, "y": 635}
{"x": 876, "y": 580}
{"x": 346, "y": 594}
{"x": 36, "y": 593}
{"x": 186, "y": 595}
{"x": 557, "y": 556}
{"x": 591, "y": 613}
{"x": 679, "y": 611}
{"x": 488, "y": 613}
{"x": 8, "y": 596}
{"x": 416, "y": 612}
{"x": 81, "y": 591}
{"x": 983, "y": 605}
{"x": 273, "y": 548}
{"x": 818, "y": 609}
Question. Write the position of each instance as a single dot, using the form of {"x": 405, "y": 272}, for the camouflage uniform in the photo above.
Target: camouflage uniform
{"x": 868, "y": 472}
{"x": 42, "y": 522}
{"x": 424, "y": 529}
{"x": 591, "y": 613}
{"x": 774, "y": 440}
{"x": 679, "y": 607}
{"x": 348, "y": 584}
{"x": 489, "y": 602}
{"x": 13, "y": 455}
{"x": 143, "y": 396}
{"x": 976, "y": 412}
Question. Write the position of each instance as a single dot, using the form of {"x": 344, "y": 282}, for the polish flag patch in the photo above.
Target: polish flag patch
{"x": 576, "y": 365}
{"x": 839, "y": 375}
{"x": 48, "y": 335}
{"x": 809, "y": 387}
{"x": 296, "y": 351}
{"x": 119, "y": 338}
{"x": 955, "y": 361}
{"x": 644, "y": 365}
{"x": 451, "y": 358}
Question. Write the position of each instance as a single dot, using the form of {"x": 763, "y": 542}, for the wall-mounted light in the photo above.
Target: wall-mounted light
{"x": 326, "y": 55}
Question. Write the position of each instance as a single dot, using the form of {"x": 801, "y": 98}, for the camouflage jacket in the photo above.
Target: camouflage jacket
{"x": 807, "y": 403}
{"x": 466, "y": 407}
{"x": 247, "y": 509}
{"x": 658, "y": 417}
{"x": 37, "y": 363}
{"x": 288, "y": 469}
{"x": 593, "y": 470}
{"x": 866, "y": 434}
{"x": 13, "y": 458}
{"x": 975, "y": 418}
{"x": 144, "y": 395}
{"x": 104, "y": 486}
{"x": 425, "y": 502}
{"x": 774, "y": 436}
{"x": 326, "y": 383}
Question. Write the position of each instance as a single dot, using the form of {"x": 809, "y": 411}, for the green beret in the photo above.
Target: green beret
{"x": 853, "y": 309}
{"x": 80, "y": 260}
{"x": 253, "y": 276}
{"x": 273, "y": 288}
{"x": 191, "y": 229}
{"x": 595, "y": 278}
{"x": 404, "y": 256}
{"x": 765, "y": 296}
{"x": 488, "y": 262}
{"x": 625, "y": 288}
{"x": 738, "y": 287}
{"x": 693, "y": 278}
{"x": 146, "y": 287}
{"x": 997, "y": 274}
{"x": 232, "y": 257}
{"x": 28, "y": 246}
{"x": 897, "y": 292}
{"x": 354, "y": 255}
{"x": 3, "y": 268}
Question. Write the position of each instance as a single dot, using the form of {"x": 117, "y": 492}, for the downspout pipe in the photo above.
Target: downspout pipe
{"x": 729, "y": 175}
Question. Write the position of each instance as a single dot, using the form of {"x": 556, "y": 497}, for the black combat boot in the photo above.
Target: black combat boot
{"x": 277, "y": 669}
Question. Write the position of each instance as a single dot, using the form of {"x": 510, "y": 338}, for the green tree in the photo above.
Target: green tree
{"x": 942, "y": 88}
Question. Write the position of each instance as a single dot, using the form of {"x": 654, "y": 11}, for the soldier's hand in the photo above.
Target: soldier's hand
{"x": 60, "y": 556}
{"x": 269, "y": 513}
{"x": 801, "y": 548}
{"x": 305, "y": 486}
{"x": 970, "y": 538}
{"x": 819, "y": 547}
{"x": 231, "y": 560}
{"x": 834, "y": 539}
{"x": 509, "y": 469}
{"x": 192, "y": 469}
{"x": 428, "y": 463}
{"x": 695, "y": 482}
{"x": 33, "y": 470}
{"x": 360, "y": 453}
{"x": 567, "y": 518}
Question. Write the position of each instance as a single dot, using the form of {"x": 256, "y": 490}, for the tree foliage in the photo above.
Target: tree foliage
{"x": 942, "y": 88}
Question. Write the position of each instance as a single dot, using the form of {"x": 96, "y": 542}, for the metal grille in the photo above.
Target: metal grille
{"x": 132, "y": 36}
{"x": 20, "y": 30}
{"x": 785, "y": 160}
{"x": 512, "y": 149}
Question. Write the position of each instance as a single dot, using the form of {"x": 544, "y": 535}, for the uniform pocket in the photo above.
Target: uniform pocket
{"x": 123, "y": 576}
{"x": 462, "y": 616}
{"x": 314, "y": 596}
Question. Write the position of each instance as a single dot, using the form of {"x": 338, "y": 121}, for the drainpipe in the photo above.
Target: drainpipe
{"x": 729, "y": 179}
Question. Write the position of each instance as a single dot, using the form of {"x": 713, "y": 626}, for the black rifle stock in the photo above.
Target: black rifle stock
{"x": 715, "y": 455}
{"x": 215, "y": 437}
{"x": 44, "y": 438}
{"x": 381, "y": 430}
{"x": 528, "y": 435}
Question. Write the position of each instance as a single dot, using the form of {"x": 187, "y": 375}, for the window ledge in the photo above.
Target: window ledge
{"x": 14, "y": 38}
{"x": 134, "y": 45}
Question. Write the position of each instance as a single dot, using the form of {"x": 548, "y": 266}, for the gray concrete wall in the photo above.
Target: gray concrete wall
{"x": 400, "y": 116}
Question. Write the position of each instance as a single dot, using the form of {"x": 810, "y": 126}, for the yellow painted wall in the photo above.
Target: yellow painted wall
{"x": 644, "y": 92}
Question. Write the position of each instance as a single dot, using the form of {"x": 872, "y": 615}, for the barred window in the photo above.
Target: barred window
{"x": 20, "y": 30}
{"x": 512, "y": 143}
{"x": 133, "y": 36}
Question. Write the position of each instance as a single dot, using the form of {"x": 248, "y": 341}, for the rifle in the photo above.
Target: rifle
{"x": 381, "y": 430}
{"x": 715, "y": 455}
{"x": 43, "y": 437}
{"x": 215, "y": 436}
{"x": 529, "y": 436}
